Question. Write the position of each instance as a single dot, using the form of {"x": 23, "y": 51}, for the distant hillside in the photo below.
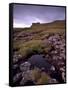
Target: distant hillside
{"x": 56, "y": 24}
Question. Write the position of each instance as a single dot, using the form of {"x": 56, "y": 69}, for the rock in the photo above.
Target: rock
{"x": 22, "y": 82}
{"x": 43, "y": 69}
{"x": 63, "y": 76}
{"x": 60, "y": 58}
{"x": 28, "y": 82}
{"x": 63, "y": 51}
{"x": 59, "y": 42}
{"x": 19, "y": 56}
{"x": 17, "y": 77}
{"x": 57, "y": 54}
{"x": 62, "y": 55}
{"x": 52, "y": 68}
{"x": 54, "y": 57}
{"x": 62, "y": 69}
{"x": 15, "y": 66}
{"x": 53, "y": 81}
{"x": 60, "y": 64}
{"x": 15, "y": 59}
{"x": 54, "y": 52}
{"x": 26, "y": 76}
{"x": 57, "y": 47}
{"x": 25, "y": 66}
{"x": 55, "y": 43}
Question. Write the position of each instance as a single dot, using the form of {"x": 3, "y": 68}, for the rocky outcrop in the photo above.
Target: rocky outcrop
{"x": 57, "y": 54}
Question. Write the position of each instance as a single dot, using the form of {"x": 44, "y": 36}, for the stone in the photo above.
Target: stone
{"x": 60, "y": 57}
{"x": 57, "y": 47}
{"x": 62, "y": 69}
{"x": 19, "y": 56}
{"x": 25, "y": 77}
{"x": 52, "y": 68}
{"x": 53, "y": 81}
{"x": 22, "y": 82}
{"x": 25, "y": 66}
{"x": 63, "y": 76}
{"x": 15, "y": 66}
{"x": 15, "y": 59}
{"x": 17, "y": 77}
{"x": 54, "y": 58}
{"x": 26, "y": 74}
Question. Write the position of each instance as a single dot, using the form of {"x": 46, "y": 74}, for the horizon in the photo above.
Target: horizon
{"x": 39, "y": 23}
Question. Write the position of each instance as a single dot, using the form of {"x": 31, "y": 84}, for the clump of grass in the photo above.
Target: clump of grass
{"x": 44, "y": 79}
{"x": 34, "y": 46}
{"x": 39, "y": 77}
{"x": 31, "y": 47}
{"x": 35, "y": 74}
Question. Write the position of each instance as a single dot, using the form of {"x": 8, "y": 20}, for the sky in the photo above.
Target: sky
{"x": 25, "y": 15}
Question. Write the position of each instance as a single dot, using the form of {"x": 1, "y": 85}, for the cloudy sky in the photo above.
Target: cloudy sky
{"x": 25, "y": 15}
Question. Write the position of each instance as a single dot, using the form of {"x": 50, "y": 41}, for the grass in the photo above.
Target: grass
{"x": 39, "y": 36}
{"x": 44, "y": 79}
{"x": 39, "y": 77}
{"x": 34, "y": 46}
{"x": 35, "y": 74}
